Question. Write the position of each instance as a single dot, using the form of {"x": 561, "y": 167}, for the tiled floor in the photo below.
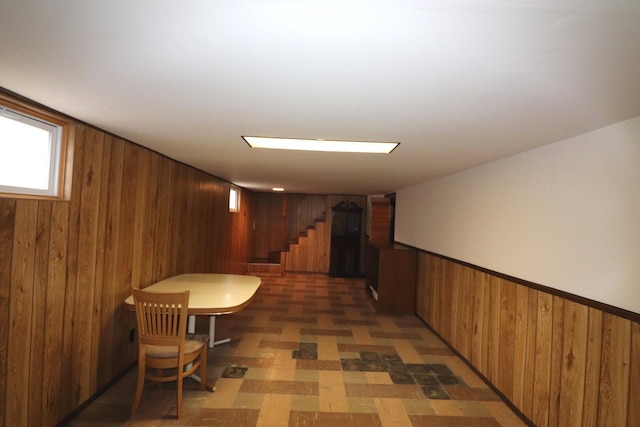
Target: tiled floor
{"x": 311, "y": 351}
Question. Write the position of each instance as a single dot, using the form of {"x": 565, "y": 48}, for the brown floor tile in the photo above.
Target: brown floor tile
{"x": 293, "y": 319}
{"x": 319, "y": 365}
{"x": 331, "y": 332}
{"x": 275, "y": 411}
{"x": 225, "y": 417}
{"x": 392, "y": 412}
{"x": 290, "y": 345}
{"x": 348, "y": 322}
{"x": 252, "y": 362}
{"x": 328, "y": 419}
{"x": 279, "y": 387}
{"x": 365, "y": 347}
{"x": 395, "y": 335}
{"x": 448, "y": 421}
{"x": 445, "y": 351}
{"x": 259, "y": 329}
{"x": 400, "y": 391}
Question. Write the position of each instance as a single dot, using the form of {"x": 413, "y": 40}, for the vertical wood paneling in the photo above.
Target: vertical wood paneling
{"x": 164, "y": 219}
{"x": 559, "y": 362}
{"x": 268, "y": 213}
{"x": 574, "y": 359}
{"x": 556, "y": 360}
{"x": 493, "y": 332}
{"x": 126, "y": 258}
{"x": 467, "y": 311}
{"x": 477, "y": 335}
{"x": 147, "y": 274}
{"x": 520, "y": 346}
{"x": 7, "y": 227}
{"x": 67, "y": 402}
{"x": 112, "y": 232}
{"x": 507, "y": 337}
{"x": 422, "y": 289}
{"x": 592, "y": 369}
{"x": 21, "y": 313}
{"x": 542, "y": 361}
{"x": 633, "y": 418}
{"x": 530, "y": 355}
{"x": 100, "y": 297}
{"x": 54, "y": 314}
{"x": 81, "y": 375}
{"x": 380, "y": 218}
{"x": 614, "y": 374}
{"x": 134, "y": 217}
{"x": 484, "y": 283}
{"x": 179, "y": 216}
{"x": 40, "y": 273}
{"x": 446, "y": 296}
{"x": 141, "y": 213}
{"x": 454, "y": 294}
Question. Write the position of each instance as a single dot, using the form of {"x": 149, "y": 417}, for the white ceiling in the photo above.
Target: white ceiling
{"x": 456, "y": 82}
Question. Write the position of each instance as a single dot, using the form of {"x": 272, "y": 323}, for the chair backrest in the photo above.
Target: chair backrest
{"x": 162, "y": 317}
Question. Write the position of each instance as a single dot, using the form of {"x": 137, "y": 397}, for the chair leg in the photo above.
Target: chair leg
{"x": 179, "y": 396}
{"x": 139, "y": 384}
{"x": 203, "y": 368}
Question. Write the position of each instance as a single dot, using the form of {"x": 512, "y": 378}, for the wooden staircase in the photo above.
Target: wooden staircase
{"x": 310, "y": 251}
{"x": 270, "y": 266}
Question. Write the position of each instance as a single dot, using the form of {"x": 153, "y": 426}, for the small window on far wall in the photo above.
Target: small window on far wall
{"x": 234, "y": 199}
{"x": 30, "y": 155}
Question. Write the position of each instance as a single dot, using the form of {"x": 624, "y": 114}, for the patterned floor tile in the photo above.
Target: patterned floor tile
{"x": 312, "y": 351}
{"x": 234, "y": 372}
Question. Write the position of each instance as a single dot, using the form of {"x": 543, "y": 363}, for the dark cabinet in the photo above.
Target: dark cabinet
{"x": 390, "y": 269}
{"x": 390, "y": 272}
{"x": 346, "y": 221}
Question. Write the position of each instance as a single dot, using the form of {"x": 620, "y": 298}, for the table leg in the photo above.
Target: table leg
{"x": 212, "y": 333}
{"x": 191, "y": 324}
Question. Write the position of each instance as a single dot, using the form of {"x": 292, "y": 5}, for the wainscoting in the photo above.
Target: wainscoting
{"x": 561, "y": 361}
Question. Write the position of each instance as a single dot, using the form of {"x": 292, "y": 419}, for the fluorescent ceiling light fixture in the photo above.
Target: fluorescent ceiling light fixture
{"x": 278, "y": 189}
{"x": 321, "y": 145}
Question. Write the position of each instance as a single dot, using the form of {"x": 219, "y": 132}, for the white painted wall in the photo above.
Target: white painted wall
{"x": 566, "y": 215}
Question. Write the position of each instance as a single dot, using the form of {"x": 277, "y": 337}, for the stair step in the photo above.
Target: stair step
{"x": 274, "y": 257}
{"x": 264, "y": 267}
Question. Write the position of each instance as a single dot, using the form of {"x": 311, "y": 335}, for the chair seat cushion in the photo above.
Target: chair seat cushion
{"x": 192, "y": 344}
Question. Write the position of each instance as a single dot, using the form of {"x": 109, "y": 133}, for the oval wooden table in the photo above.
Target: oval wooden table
{"x": 209, "y": 294}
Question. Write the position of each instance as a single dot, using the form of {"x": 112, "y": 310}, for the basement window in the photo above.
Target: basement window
{"x": 30, "y": 155}
{"x": 234, "y": 199}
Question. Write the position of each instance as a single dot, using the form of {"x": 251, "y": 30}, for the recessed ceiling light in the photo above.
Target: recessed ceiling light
{"x": 278, "y": 189}
{"x": 321, "y": 145}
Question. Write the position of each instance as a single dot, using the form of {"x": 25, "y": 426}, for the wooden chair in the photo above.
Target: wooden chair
{"x": 164, "y": 344}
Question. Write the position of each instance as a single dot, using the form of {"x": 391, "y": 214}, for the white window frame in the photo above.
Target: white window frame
{"x": 55, "y": 131}
{"x": 234, "y": 199}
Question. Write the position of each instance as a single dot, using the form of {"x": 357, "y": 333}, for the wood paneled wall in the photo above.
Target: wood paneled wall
{"x": 560, "y": 362}
{"x": 134, "y": 217}
{"x": 269, "y": 216}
